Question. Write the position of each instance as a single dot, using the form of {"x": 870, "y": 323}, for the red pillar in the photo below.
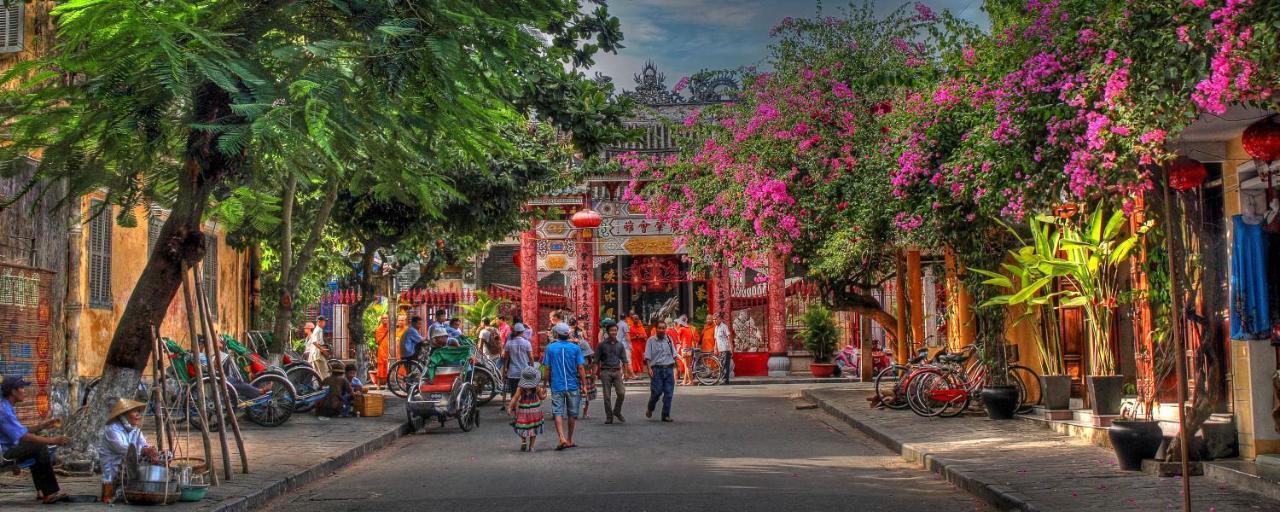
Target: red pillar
{"x": 588, "y": 293}
{"x": 529, "y": 280}
{"x": 779, "y": 364}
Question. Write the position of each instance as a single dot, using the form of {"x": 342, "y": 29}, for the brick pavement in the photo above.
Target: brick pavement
{"x": 280, "y": 459}
{"x": 1021, "y": 466}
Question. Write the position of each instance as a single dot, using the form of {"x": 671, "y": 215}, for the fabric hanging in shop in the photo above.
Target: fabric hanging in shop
{"x": 1250, "y": 315}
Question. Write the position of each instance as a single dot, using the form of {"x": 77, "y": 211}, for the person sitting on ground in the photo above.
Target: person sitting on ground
{"x": 18, "y": 443}
{"x": 357, "y": 387}
{"x": 338, "y": 401}
{"x": 122, "y": 431}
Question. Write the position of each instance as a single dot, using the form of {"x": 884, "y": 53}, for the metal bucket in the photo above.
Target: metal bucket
{"x": 153, "y": 473}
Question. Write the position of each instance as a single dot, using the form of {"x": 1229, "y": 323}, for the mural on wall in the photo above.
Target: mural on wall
{"x": 747, "y": 336}
{"x": 24, "y": 333}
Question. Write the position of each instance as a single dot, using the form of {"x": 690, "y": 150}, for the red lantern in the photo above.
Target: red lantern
{"x": 1186, "y": 173}
{"x": 586, "y": 218}
{"x": 1261, "y": 140}
{"x": 515, "y": 259}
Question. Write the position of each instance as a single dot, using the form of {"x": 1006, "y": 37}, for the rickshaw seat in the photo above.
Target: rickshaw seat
{"x": 443, "y": 382}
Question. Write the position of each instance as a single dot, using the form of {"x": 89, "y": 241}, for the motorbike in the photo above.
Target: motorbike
{"x": 848, "y": 359}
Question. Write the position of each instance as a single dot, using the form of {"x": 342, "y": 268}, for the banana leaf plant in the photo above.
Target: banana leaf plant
{"x": 1090, "y": 256}
{"x": 484, "y": 307}
{"x": 1029, "y": 281}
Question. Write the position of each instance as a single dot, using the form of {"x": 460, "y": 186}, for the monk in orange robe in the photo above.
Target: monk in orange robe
{"x": 683, "y": 336}
{"x": 709, "y": 336}
{"x": 639, "y": 337}
{"x": 380, "y": 336}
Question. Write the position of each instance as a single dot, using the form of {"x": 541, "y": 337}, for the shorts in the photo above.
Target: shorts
{"x": 559, "y": 399}
{"x": 512, "y": 385}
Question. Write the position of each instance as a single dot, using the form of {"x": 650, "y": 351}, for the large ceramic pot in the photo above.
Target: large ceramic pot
{"x": 1105, "y": 392}
{"x": 1000, "y": 401}
{"x": 1133, "y": 441}
{"x": 822, "y": 370}
{"x": 1055, "y": 392}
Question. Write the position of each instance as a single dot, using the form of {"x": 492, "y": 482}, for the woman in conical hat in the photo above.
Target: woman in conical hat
{"x": 123, "y": 430}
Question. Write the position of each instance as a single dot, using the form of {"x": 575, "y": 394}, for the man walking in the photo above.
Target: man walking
{"x": 516, "y": 355}
{"x": 314, "y": 351}
{"x": 660, "y": 359}
{"x": 613, "y": 356}
{"x": 724, "y": 347}
{"x": 565, "y": 362}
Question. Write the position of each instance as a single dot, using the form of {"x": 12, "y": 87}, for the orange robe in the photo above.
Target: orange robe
{"x": 380, "y": 335}
{"x": 683, "y": 337}
{"x": 638, "y": 337}
{"x": 709, "y": 338}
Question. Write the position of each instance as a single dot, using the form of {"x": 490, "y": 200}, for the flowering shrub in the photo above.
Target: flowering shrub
{"x": 796, "y": 165}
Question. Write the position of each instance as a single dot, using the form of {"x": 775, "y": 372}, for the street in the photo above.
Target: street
{"x": 741, "y": 448}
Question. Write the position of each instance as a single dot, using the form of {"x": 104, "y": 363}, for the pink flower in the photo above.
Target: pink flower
{"x": 925, "y": 13}
{"x": 680, "y": 85}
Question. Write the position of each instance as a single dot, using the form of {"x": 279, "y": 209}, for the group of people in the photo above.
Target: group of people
{"x": 570, "y": 367}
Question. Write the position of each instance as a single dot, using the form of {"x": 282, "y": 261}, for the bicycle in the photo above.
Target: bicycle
{"x": 405, "y": 372}
{"x": 891, "y": 382}
{"x": 707, "y": 369}
{"x": 949, "y": 387}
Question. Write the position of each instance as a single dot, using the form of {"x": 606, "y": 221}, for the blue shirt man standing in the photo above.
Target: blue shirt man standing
{"x": 566, "y": 364}
{"x": 660, "y": 358}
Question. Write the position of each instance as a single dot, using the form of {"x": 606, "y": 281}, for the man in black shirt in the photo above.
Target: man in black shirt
{"x": 613, "y": 355}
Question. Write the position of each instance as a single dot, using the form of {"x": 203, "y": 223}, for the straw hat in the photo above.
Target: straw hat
{"x": 124, "y": 405}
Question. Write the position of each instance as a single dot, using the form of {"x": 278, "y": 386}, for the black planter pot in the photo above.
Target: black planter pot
{"x": 1055, "y": 392}
{"x": 1105, "y": 392}
{"x": 1133, "y": 441}
{"x": 1000, "y": 401}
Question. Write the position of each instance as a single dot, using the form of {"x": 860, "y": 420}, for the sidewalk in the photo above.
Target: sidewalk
{"x": 280, "y": 459}
{"x": 1016, "y": 465}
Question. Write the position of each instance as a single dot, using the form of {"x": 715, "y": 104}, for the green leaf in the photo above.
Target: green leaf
{"x": 1074, "y": 302}
{"x": 1028, "y": 291}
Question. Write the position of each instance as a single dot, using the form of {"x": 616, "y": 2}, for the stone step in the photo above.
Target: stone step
{"x": 1263, "y": 479}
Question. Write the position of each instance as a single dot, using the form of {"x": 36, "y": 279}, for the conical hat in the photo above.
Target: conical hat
{"x": 123, "y": 405}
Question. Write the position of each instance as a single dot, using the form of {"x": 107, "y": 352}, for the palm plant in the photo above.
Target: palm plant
{"x": 484, "y": 307}
{"x": 819, "y": 333}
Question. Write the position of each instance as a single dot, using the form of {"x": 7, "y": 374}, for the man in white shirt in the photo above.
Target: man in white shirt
{"x": 314, "y": 350}
{"x": 724, "y": 346}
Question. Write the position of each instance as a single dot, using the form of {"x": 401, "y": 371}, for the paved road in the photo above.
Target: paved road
{"x": 742, "y": 448}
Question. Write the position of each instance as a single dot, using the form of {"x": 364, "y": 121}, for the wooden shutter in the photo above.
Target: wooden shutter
{"x": 155, "y": 221}
{"x": 211, "y": 273}
{"x": 11, "y": 26}
{"x": 99, "y": 255}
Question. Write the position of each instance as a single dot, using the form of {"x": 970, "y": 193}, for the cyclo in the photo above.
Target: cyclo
{"x": 445, "y": 390}
{"x": 267, "y": 399}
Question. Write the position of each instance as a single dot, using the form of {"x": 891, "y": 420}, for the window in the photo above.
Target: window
{"x": 99, "y": 255}
{"x": 210, "y": 277}
{"x": 155, "y": 221}
{"x": 11, "y": 25}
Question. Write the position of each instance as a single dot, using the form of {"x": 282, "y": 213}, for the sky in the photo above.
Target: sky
{"x": 685, "y": 36}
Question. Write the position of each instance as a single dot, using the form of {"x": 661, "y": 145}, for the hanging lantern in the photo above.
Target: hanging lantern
{"x": 1261, "y": 140}
{"x": 1186, "y": 173}
{"x": 586, "y": 219}
{"x": 515, "y": 259}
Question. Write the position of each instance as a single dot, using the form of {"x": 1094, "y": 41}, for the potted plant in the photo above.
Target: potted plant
{"x": 1095, "y": 254}
{"x": 1000, "y": 397}
{"x": 1030, "y": 282}
{"x": 819, "y": 336}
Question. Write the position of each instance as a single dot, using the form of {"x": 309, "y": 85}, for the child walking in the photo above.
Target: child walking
{"x": 527, "y": 406}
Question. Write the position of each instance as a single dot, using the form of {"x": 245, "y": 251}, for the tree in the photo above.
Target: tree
{"x": 793, "y": 166}
{"x": 180, "y": 101}
{"x": 476, "y": 204}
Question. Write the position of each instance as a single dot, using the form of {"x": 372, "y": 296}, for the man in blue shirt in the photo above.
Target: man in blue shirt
{"x": 517, "y": 353}
{"x": 439, "y": 318}
{"x": 18, "y": 444}
{"x": 566, "y": 364}
{"x": 454, "y": 328}
{"x": 660, "y": 358}
{"x": 411, "y": 338}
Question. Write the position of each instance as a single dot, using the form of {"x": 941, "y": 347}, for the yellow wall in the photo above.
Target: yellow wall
{"x": 128, "y": 257}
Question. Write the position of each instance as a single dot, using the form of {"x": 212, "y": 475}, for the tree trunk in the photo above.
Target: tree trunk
{"x": 180, "y": 240}
{"x": 291, "y": 271}
{"x": 355, "y": 314}
{"x": 866, "y": 305}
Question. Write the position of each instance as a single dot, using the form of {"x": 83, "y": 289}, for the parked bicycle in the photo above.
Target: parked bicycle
{"x": 948, "y": 387}
{"x": 707, "y": 369}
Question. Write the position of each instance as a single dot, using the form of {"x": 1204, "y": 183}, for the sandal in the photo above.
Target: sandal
{"x": 561, "y": 447}
{"x": 54, "y": 498}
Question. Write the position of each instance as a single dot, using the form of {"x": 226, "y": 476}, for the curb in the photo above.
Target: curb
{"x": 836, "y": 380}
{"x": 261, "y": 497}
{"x": 996, "y": 494}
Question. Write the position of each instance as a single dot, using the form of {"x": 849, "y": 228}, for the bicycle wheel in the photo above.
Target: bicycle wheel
{"x": 889, "y": 387}
{"x": 278, "y": 407}
{"x": 486, "y": 388}
{"x": 401, "y": 375}
{"x": 707, "y": 370}
{"x": 209, "y": 406}
{"x": 1028, "y": 384}
{"x": 306, "y": 383}
{"x": 933, "y": 393}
